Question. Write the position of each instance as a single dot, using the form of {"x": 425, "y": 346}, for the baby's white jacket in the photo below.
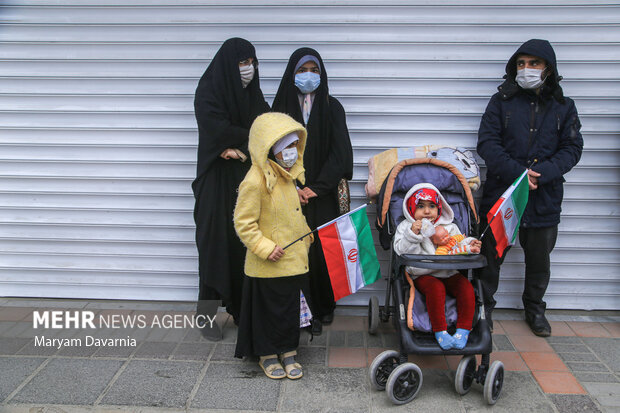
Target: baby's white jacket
{"x": 406, "y": 242}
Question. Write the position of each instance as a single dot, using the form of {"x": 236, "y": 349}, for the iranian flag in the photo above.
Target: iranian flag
{"x": 349, "y": 252}
{"x": 505, "y": 216}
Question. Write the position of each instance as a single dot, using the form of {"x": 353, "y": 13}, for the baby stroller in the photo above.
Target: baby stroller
{"x": 390, "y": 370}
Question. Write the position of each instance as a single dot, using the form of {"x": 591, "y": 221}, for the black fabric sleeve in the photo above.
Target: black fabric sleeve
{"x": 339, "y": 163}
{"x": 569, "y": 148}
{"x": 490, "y": 147}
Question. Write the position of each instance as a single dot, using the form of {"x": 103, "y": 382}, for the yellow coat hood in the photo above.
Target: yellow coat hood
{"x": 266, "y": 130}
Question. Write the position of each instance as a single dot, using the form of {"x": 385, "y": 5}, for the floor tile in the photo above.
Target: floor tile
{"x": 157, "y": 383}
{"x": 592, "y": 367}
{"x": 558, "y": 382}
{"x": 69, "y": 381}
{"x": 346, "y": 357}
{"x": 530, "y": 343}
{"x": 583, "y": 329}
{"x": 20, "y": 369}
{"x": 613, "y": 328}
{"x": 238, "y": 386}
{"x": 326, "y": 390}
{"x": 373, "y": 352}
{"x": 15, "y": 313}
{"x": 607, "y": 350}
{"x": 346, "y": 323}
{"x": 502, "y": 343}
{"x": 511, "y": 359}
{"x": 587, "y": 376}
{"x": 429, "y": 362}
{"x": 560, "y": 328}
{"x": 543, "y": 362}
{"x": 156, "y": 350}
{"x": 515, "y": 328}
{"x": 574, "y": 403}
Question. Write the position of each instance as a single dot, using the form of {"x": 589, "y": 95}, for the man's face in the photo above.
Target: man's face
{"x": 526, "y": 61}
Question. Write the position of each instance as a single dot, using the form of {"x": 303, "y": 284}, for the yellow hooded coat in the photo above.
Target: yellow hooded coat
{"x": 268, "y": 212}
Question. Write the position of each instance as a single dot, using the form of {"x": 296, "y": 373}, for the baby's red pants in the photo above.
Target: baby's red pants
{"x": 435, "y": 291}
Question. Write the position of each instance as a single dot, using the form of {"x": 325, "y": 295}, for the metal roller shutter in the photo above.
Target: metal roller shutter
{"x": 98, "y": 139}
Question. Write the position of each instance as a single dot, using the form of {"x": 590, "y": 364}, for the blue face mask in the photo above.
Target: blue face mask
{"x": 307, "y": 82}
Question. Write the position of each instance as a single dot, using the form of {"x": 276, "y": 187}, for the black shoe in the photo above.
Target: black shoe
{"x": 327, "y": 319}
{"x": 317, "y": 327}
{"x": 210, "y": 331}
{"x": 538, "y": 324}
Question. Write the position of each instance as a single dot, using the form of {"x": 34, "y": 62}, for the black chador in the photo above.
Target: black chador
{"x": 225, "y": 110}
{"x": 328, "y": 158}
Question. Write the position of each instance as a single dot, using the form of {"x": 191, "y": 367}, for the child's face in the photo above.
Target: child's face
{"x": 425, "y": 209}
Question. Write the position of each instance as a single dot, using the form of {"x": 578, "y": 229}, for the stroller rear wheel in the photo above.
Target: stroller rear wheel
{"x": 404, "y": 383}
{"x": 381, "y": 368}
{"x": 465, "y": 374}
{"x": 373, "y": 315}
{"x": 493, "y": 382}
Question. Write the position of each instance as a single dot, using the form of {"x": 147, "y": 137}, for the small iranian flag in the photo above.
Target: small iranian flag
{"x": 508, "y": 210}
{"x": 349, "y": 252}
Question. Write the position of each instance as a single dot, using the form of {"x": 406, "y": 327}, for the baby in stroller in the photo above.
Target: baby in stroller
{"x": 425, "y": 203}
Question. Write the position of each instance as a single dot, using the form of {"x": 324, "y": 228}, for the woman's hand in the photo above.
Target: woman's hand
{"x": 303, "y": 199}
{"x": 229, "y": 154}
{"x": 276, "y": 254}
{"x": 532, "y": 179}
{"x": 309, "y": 193}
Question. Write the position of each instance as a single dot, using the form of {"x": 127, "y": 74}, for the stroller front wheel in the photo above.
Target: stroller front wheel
{"x": 465, "y": 374}
{"x": 381, "y": 368}
{"x": 404, "y": 383}
{"x": 493, "y": 382}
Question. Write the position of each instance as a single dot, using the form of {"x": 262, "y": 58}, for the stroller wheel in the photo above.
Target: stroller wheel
{"x": 381, "y": 368}
{"x": 404, "y": 383}
{"x": 465, "y": 374}
{"x": 373, "y": 315}
{"x": 493, "y": 382}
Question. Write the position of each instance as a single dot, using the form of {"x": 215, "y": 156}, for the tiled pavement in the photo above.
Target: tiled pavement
{"x": 170, "y": 370}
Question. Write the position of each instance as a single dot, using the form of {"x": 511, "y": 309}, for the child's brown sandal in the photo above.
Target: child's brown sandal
{"x": 273, "y": 370}
{"x": 292, "y": 368}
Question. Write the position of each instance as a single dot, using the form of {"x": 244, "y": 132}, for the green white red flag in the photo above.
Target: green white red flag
{"x": 505, "y": 216}
{"x": 349, "y": 252}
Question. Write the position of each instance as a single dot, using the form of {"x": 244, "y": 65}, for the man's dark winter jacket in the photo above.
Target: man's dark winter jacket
{"x": 520, "y": 126}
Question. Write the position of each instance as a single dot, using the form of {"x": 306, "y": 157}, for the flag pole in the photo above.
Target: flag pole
{"x": 325, "y": 224}
{"x": 489, "y": 223}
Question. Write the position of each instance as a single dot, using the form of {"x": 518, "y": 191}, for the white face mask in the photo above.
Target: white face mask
{"x": 530, "y": 78}
{"x": 289, "y": 157}
{"x": 247, "y": 74}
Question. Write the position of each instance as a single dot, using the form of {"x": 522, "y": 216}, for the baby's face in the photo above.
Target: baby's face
{"x": 426, "y": 209}
{"x": 441, "y": 236}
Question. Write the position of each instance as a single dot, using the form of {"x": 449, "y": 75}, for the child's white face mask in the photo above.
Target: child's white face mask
{"x": 289, "y": 157}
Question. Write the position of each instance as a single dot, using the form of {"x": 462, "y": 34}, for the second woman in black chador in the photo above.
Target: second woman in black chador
{"x": 304, "y": 95}
{"x": 227, "y": 101}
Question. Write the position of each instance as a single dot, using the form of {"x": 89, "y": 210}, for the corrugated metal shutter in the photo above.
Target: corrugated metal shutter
{"x": 98, "y": 139}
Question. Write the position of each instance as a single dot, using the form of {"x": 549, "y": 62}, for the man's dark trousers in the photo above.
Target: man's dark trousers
{"x": 537, "y": 244}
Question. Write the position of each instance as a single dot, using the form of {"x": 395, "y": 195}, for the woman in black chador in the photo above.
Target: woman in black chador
{"x": 304, "y": 95}
{"x": 227, "y": 101}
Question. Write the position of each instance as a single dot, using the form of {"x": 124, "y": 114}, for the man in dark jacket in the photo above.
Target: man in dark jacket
{"x": 529, "y": 120}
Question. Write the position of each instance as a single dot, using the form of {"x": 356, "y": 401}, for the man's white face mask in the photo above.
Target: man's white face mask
{"x": 530, "y": 78}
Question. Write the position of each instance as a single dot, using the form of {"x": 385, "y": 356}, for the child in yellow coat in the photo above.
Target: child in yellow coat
{"x": 267, "y": 218}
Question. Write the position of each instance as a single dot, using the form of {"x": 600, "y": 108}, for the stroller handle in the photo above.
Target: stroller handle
{"x": 441, "y": 262}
